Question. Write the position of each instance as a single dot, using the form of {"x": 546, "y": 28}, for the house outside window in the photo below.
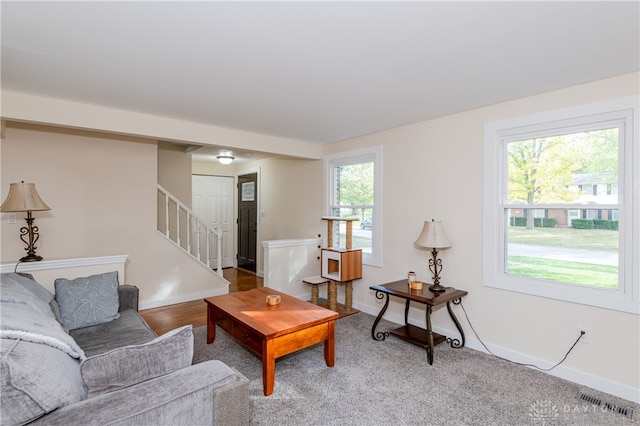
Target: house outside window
{"x": 353, "y": 189}
{"x": 560, "y": 217}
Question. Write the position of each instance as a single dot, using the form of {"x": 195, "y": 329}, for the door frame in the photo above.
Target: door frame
{"x": 240, "y": 172}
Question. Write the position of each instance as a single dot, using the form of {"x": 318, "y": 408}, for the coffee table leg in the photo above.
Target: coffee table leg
{"x": 268, "y": 368}
{"x": 211, "y": 325}
{"x": 329, "y": 346}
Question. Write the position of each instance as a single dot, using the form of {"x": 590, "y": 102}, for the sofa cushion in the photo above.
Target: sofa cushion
{"x": 88, "y": 301}
{"x": 36, "y": 379}
{"x": 129, "y": 329}
{"x": 124, "y": 367}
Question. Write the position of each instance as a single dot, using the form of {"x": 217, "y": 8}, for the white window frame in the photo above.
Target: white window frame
{"x": 372, "y": 154}
{"x": 626, "y": 297}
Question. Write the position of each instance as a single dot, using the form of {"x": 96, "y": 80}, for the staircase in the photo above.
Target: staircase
{"x": 181, "y": 226}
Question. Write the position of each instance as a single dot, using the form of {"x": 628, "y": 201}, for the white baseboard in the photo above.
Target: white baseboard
{"x": 181, "y": 299}
{"x": 561, "y": 371}
{"x": 576, "y": 376}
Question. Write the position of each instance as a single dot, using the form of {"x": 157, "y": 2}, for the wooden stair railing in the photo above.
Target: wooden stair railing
{"x": 180, "y": 225}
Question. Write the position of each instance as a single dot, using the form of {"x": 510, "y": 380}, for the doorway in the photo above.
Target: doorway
{"x": 247, "y": 220}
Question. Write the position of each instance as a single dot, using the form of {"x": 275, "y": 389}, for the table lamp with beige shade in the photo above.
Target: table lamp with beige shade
{"x": 23, "y": 197}
{"x": 433, "y": 237}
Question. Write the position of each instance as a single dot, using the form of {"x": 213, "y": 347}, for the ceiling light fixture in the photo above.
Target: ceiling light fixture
{"x": 225, "y": 159}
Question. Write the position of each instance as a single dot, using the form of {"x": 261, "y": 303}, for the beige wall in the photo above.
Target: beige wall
{"x": 212, "y": 168}
{"x": 434, "y": 169}
{"x": 291, "y": 198}
{"x": 102, "y": 194}
{"x": 290, "y": 193}
{"x": 174, "y": 171}
{"x": 18, "y": 106}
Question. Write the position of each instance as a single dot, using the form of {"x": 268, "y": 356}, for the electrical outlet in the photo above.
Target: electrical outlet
{"x": 585, "y": 337}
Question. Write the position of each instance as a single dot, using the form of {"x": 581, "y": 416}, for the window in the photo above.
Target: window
{"x": 550, "y": 227}
{"x": 353, "y": 188}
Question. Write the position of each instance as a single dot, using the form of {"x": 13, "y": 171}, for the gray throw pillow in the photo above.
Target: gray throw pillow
{"x": 88, "y": 301}
{"x": 126, "y": 366}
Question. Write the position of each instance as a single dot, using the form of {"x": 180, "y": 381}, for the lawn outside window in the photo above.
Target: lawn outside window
{"x": 561, "y": 212}
{"x": 353, "y": 189}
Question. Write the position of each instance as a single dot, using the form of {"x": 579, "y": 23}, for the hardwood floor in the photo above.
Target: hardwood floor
{"x": 166, "y": 318}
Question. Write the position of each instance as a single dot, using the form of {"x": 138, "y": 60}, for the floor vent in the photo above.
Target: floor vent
{"x": 588, "y": 398}
{"x": 627, "y": 412}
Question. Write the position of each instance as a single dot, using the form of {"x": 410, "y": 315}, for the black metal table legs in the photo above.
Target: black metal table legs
{"x": 380, "y": 335}
{"x": 428, "y": 342}
{"x": 455, "y": 343}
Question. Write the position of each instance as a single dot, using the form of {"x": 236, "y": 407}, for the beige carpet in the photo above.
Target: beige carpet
{"x": 391, "y": 383}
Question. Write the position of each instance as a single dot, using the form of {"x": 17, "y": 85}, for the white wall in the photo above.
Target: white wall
{"x": 434, "y": 169}
{"x": 288, "y": 262}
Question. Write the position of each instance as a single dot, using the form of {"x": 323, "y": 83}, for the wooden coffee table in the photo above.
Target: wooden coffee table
{"x": 271, "y": 331}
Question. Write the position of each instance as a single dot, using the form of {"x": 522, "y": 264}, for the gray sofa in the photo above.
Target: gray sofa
{"x": 116, "y": 372}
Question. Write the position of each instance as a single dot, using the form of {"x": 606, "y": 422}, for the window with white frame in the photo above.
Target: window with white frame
{"x": 547, "y": 232}
{"x": 353, "y": 188}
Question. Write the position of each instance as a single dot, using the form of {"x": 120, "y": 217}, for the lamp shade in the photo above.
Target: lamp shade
{"x": 433, "y": 236}
{"x": 23, "y": 197}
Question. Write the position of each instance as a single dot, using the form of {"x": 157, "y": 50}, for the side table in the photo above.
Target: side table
{"x": 425, "y": 338}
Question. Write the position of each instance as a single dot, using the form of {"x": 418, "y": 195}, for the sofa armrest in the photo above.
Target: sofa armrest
{"x": 208, "y": 393}
{"x": 128, "y": 295}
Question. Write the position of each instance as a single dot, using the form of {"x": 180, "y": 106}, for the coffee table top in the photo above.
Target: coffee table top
{"x": 291, "y": 314}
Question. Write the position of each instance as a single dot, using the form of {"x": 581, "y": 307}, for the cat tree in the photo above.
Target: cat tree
{"x": 339, "y": 266}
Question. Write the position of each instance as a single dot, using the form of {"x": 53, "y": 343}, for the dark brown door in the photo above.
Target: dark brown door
{"x": 247, "y": 220}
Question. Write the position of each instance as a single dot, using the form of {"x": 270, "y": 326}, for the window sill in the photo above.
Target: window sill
{"x": 612, "y": 299}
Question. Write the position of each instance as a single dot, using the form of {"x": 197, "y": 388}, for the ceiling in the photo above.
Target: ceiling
{"x": 312, "y": 71}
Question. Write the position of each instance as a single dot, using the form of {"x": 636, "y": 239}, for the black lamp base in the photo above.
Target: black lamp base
{"x": 435, "y": 266}
{"x": 31, "y": 258}
{"x": 32, "y": 234}
{"x": 437, "y": 288}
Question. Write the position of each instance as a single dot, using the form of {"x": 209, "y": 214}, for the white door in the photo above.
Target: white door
{"x": 213, "y": 203}
{"x": 573, "y": 214}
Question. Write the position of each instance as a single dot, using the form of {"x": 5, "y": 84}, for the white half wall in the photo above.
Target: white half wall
{"x": 288, "y": 262}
